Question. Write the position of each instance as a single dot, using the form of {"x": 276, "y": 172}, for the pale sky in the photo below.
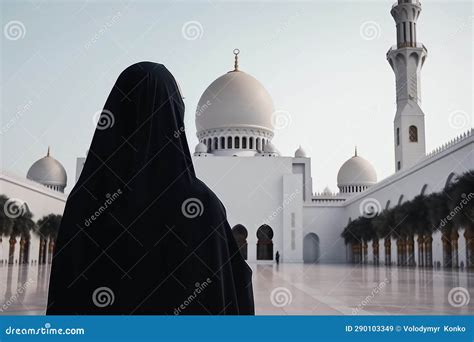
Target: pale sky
{"x": 311, "y": 56}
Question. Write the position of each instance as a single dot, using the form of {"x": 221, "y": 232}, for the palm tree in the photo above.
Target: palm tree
{"x": 22, "y": 226}
{"x": 410, "y": 226}
{"x": 47, "y": 229}
{"x": 461, "y": 205}
{"x": 424, "y": 230}
{"x": 352, "y": 236}
{"x": 367, "y": 233}
{"x": 349, "y": 239}
{"x": 6, "y": 222}
{"x": 383, "y": 225}
{"x": 358, "y": 233}
{"x": 417, "y": 224}
{"x": 438, "y": 211}
{"x": 450, "y": 233}
{"x": 401, "y": 231}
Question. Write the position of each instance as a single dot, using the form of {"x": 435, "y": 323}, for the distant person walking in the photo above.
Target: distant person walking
{"x": 277, "y": 257}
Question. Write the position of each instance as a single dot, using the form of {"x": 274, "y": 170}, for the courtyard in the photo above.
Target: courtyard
{"x": 300, "y": 289}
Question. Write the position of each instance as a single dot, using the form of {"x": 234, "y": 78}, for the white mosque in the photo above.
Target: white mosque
{"x": 278, "y": 211}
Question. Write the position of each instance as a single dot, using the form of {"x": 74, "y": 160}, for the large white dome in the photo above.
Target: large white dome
{"x": 49, "y": 172}
{"x": 235, "y": 100}
{"x": 234, "y": 116}
{"x": 356, "y": 174}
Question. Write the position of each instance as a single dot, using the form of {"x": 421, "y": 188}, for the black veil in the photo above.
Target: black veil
{"x": 140, "y": 233}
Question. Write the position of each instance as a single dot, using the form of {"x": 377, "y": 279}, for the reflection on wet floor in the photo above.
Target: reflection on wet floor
{"x": 24, "y": 289}
{"x": 290, "y": 289}
{"x": 351, "y": 290}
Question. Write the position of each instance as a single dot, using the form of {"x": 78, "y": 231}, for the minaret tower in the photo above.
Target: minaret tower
{"x": 407, "y": 59}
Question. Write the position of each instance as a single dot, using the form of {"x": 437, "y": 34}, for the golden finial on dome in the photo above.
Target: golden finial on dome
{"x": 355, "y": 151}
{"x": 236, "y": 62}
{"x": 49, "y": 150}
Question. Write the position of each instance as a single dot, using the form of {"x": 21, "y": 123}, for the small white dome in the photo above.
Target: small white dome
{"x": 269, "y": 151}
{"x": 356, "y": 171}
{"x": 327, "y": 191}
{"x": 200, "y": 148}
{"x": 235, "y": 100}
{"x": 270, "y": 148}
{"x": 49, "y": 172}
{"x": 300, "y": 153}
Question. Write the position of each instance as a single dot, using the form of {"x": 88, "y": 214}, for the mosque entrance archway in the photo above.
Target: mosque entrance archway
{"x": 240, "y": 235}
{"x": 311, "y": 248}
{"x": 264, "y": 243}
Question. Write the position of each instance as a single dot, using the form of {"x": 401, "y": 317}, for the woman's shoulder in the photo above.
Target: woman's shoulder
{"x": 207, "y": 196}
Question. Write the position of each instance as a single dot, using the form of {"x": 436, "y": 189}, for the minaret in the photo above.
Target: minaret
{"x": 407, "y": 59}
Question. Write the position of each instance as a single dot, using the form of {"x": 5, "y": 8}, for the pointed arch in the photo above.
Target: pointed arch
{"x": 413, "y": 133}
{"x": 265, "y": 243}
{"x": 311, "y": 248}
{"x": 240, "y": 235}
{"x": 237, "y": 142}
{"x": 401, "y": 58}
{"x": 449, "y": 180}
{"x": 415, "y": 58}
{"x": 404, "y": 14}
{"x": 423, "y": 189}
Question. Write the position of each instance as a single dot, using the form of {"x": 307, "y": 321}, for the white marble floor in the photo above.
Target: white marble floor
{"x": 300, "y": 289}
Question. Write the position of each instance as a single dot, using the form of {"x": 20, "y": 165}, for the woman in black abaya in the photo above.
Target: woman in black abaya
{"x": 140, "y": 233}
